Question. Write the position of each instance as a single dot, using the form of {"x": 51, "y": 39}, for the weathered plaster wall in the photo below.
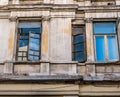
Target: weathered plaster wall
{"x": 64, "y": 69}
{"x": 117, "y": 2}
{"x": 57, "y": 37}
{"x": 109, "y": 68}
{"x": 60, "y": 39}
{"x": 26, "y": 69}
{"x": 4, "y": 2}
{"x": 97, "y": 90}
{"x": 29, "y": 14}
{"x": 100, "y": 15}
{"x": 39, "y": 89}
{"x": 106, "y": 3}
{"x": 4, "y": 40}
{"x": 63, "y": 1}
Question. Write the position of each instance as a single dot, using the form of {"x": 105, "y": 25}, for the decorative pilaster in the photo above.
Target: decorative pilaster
{"x": 89, "y": 39}
{"x": 45, "y": 45}
{"x": 8, "y": 66}
{"x": 45, "y": 39}
{"x": 12, "y": 38}
{"x": 90, "y": 46}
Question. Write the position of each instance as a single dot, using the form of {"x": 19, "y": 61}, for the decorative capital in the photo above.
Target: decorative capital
{"x": 88, "y": 20}
{"x": 118, "y": 19}
{"x": 13, "y": 19}
{"x": 46, "y": 18}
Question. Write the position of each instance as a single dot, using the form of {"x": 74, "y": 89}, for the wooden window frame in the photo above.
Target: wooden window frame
{"x": 84, "y": 36}
{"x": 105, "y": 41}
{"x": 18, "y": 39}
{"x": 35, "y": 50}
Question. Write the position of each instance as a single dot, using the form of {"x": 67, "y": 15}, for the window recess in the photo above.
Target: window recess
{"x": 29, "y": 39}
{"x": 105, "y": 41}
{"x": 78, "y": 52}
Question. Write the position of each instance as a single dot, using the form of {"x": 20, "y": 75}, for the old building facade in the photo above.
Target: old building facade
{"x": 60, "y": 48}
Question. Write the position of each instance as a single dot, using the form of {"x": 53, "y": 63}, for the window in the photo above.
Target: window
{"x": 29, "y": 36}
{"x": 78, "y": 43}
{"x": 105, "y": 38}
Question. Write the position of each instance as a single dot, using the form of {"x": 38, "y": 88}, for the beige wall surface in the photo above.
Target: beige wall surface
{"x": 56, "y": 49}
{"x": 5, "y": 39}
{"x": 60, "y": 39}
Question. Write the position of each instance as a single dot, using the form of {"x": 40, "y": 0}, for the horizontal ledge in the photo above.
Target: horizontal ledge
{"x": 64, "y": 62}
{"x": 30, "y": 62}
{"x": 102, "y": 78}
{"x": 41, "y": 78}
{"x": 40, "y": 61}
{"x": 38, "y": 94}
{"x": 57, "y": 6}
{"x": 60, "y": 62}
{"x": 102, "y": 63}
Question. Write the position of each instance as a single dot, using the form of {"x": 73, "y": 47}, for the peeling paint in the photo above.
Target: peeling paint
{"x": 89, "y": 39}
{"x": 67, "y": 29}
{"x": 11, "y": 41}
{"x": 45, "y": 39}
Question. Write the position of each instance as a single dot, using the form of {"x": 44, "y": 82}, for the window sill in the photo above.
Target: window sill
{"x": 102, "y": 63}
{"x": 30, "y": 62}
{"x": 64, "y": 62}
{"x": 42, "y": 61}
{"x": 81, "y": 64}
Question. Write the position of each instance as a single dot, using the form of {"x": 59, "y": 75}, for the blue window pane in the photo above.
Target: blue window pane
{"x": 79, "y": 56}
{"x": 29, "y": 25}
{"x": 78, "y": 38}
{"x": 23, "y": 43}
{"x": 104, "y": 28}
{"x": 112, "y": 48}
{"x": 31, "y": 52}
{"x": 34, "y": 44}
{"x": 35, "y": 35}
{"x": 30, "y": 57}
{"x": 23, "y": 37}
{"x": 36, "y": 58}
{"x": 100, "y": 48}
{"x": 33, "y": 58}
{"x": 34, "y": 53}
{"x": 30, "y": 30}
{"x": 79, "y": 47}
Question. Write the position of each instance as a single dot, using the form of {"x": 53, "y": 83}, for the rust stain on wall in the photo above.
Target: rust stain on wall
{"x": 89, "y": 37}
{"x": 67, "y": 29}
{"x": 11, "y": 41}
{"x": 45, "y": 39}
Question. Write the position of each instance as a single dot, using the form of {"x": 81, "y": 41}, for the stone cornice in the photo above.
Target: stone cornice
{"x": 88, "y": 20}
{"x": 63, "y": 7}
{"x": 40, "y": 78}
{"x": 99, "y": 8}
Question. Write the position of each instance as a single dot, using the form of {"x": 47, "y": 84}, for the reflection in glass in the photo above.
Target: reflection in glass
{"x": 100, "y": 48}
{"x": 112, "y": 48}
{"x": 104, "y": 28}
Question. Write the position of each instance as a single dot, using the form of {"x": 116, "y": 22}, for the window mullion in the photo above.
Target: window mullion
{"x": 95, "y": 47}
{"x": 106, "y": 48}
